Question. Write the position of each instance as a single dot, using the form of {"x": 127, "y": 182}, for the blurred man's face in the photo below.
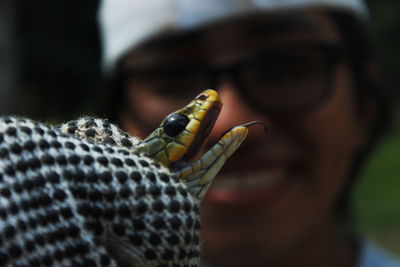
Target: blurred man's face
{"x": 277, "y": 194}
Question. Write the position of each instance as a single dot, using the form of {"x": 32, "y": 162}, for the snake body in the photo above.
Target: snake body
{"x": 88, "y": 194}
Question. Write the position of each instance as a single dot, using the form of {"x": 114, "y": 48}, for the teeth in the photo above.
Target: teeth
{"x": 249, "y": 181}
{"x": 228, "y": 182}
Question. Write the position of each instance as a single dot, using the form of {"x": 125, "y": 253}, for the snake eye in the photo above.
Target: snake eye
{"x": 202, "y": 97}
{"x": 174, "y": 124}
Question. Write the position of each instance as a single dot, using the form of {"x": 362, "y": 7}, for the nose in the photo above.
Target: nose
{"x": 235, "y": 111}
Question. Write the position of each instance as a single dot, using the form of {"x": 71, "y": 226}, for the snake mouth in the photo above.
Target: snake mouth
{"x": 203, "y": 132}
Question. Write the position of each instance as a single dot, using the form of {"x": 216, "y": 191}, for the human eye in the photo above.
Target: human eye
{"x": 286, "y": 66}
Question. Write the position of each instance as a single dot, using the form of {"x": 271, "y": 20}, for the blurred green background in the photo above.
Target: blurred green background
{"x": 377, "y": 197}
{"x": 50, "y": 71}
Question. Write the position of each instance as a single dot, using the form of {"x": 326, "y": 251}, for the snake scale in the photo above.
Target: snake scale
{"x": 88, "y": 194}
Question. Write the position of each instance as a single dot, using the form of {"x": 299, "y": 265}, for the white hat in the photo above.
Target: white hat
{"x": 124, "y": 24}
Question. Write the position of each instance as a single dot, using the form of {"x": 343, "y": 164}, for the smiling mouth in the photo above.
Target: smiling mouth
{"x": 250, "y": 182}
{"x": 265, "y": 184}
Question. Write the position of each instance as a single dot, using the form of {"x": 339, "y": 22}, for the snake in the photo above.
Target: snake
{"x": 86, "y": 193}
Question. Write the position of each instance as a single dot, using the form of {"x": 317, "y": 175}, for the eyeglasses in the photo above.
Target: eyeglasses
{"x": 280, "y": 79}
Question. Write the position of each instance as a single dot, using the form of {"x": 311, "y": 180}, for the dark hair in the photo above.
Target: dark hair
{"x": 361, "y": 54}
{"x": 111, "y": 96}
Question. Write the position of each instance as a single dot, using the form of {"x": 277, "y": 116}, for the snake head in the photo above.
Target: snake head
{"x": 181, "y": 135}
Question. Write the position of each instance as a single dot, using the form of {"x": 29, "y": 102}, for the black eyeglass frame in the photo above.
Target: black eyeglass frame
{"x": 331, "y": 51}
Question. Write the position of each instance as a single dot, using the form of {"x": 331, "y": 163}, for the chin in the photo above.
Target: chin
{"x": 237, "y": 251}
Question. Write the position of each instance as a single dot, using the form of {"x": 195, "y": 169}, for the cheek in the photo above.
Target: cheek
{"x": 150, "y": 108}
{"x": 333, "y": 136}
{"x": 145, "y": 112}
{"x": 336, "y": 134}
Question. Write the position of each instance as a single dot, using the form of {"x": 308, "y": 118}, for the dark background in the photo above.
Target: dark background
{"x": 50, "y": 54}
{"x": 56, "y": 55}
{"x": 50, "y": 70}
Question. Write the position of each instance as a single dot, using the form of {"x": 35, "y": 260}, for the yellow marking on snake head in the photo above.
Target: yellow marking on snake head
{"x": 175, "y": 151}
{"x": 184, "y": 130}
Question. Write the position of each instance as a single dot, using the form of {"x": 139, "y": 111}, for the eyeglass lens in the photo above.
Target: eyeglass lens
{"x": 278, "y": 79}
